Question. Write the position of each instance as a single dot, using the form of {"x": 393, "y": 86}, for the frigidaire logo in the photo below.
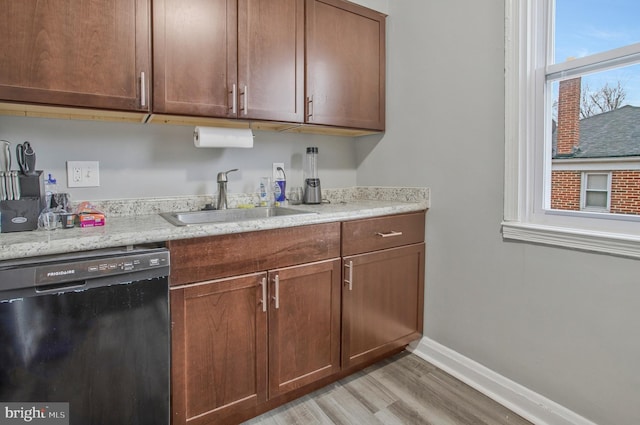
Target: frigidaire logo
{"x": 36, "y": 413}
{"x": 61, "y": 273}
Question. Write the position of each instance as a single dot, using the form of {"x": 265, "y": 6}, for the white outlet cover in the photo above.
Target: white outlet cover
{"x": 83, "y": 173}
{"x": 275, "y": 173}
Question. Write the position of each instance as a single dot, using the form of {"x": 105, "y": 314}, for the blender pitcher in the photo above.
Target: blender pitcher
{"x": 312, "y": 192}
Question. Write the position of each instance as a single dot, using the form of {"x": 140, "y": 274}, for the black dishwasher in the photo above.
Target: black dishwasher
{"x": 89, "y": 332}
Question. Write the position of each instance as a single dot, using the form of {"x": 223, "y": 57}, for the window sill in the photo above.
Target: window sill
{"x": 585, "y": 240}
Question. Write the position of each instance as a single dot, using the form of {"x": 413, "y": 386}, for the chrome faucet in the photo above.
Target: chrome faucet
{"x": 222, "y": 189}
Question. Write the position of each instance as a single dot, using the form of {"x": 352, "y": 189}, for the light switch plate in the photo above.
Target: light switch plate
{"x": 83, "y": 173}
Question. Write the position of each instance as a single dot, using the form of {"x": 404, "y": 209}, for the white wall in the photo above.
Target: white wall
{"x": 153, "y": 160}
{"x": 565, "y": 324}
{"x": 379, "y": 5}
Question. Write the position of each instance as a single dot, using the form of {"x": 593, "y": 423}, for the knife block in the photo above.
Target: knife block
{"x": 22, "y": 215}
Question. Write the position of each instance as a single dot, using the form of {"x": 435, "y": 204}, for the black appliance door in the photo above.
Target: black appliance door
{"x": 103, "y": 350}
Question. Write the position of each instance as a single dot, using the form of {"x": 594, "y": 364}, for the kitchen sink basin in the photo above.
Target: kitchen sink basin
{"x": 230, "y": 215}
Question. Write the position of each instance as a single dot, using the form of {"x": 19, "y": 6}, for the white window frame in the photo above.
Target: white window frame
{"x": 584, "y": 190}
{"x": 527, "y": 160}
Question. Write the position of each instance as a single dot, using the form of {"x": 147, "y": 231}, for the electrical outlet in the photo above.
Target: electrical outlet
{"x": 83, "y": 173}
{"x": 278, "y": 174}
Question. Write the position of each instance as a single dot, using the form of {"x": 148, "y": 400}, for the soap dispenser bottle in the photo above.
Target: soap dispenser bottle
{"x": 280, "y": 186}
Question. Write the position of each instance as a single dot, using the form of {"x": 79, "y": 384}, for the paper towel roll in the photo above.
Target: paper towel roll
{"x": 218, "y": 137}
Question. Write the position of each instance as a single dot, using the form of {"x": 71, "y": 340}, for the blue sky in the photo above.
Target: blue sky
{"x": 585, "y": 27}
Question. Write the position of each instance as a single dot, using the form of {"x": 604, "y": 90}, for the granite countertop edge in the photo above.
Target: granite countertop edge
{"x": 145, "y": 225}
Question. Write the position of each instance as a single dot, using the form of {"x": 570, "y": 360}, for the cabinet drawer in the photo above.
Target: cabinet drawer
{"x": 212, "y": 257}
{"x": 372, "y": 234}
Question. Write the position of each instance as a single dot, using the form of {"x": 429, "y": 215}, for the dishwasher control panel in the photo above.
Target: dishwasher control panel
{"x": 92, "y": 268}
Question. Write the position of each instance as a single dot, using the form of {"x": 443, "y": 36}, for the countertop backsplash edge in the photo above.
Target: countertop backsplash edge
{"x": 142, "y": 206}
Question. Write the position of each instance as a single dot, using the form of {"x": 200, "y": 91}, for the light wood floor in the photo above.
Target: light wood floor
{"x": 403, "y": 389}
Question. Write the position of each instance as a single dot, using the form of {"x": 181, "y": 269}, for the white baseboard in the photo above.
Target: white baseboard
{"x": 526, "y": 403}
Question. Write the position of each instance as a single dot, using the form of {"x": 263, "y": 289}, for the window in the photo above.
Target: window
{"x": 557, "y": 56}
{"x": 596, "y": 192}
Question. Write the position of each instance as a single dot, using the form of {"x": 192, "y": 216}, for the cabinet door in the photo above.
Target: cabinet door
{"x": 219, "y": 348}
{"x": 195, "y": 57}
{"x": 65, "y": 52}
{"x": 382, "y": 302}
{"x": 345, "y": 65}
{"x": 271, "y": 60}
{"x": 304, "y": 325}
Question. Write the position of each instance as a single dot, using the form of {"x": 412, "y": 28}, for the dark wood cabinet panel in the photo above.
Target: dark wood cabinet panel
{"x": 219, "y": 354}
{"x": 345, "y": 65}
{"x": 229, "y": 58}
{"x": 304, "y": 325}
{"x": 194, "y": 56}
{"x": 382, "y": 302}
{"x": 233, "y": 338}
{"x": 199, "y": 259}
{"x": 271, "y": 60}
{"x": 377, "y": 233}
{"x": 88, "y": 54}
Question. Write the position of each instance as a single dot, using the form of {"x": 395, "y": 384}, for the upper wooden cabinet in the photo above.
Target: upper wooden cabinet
{"x": 345, "y": 65}
{"x": 229, "y": 58}
{"x": 87, "y": 54}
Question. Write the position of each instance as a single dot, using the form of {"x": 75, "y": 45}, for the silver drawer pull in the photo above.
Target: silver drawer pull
{"x": 264, "y": 294}
{"x": 244, "y": 106}
{"x": 143, "y": 90}
{"x": 234, "y": 100}
{"x": 277, "y": 290}
{"x": 349, "y": 281}
{"x": 388, "y": 235}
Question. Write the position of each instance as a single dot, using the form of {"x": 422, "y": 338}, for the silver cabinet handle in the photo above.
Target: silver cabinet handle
{"x": 309, "y": 107}
{"x": 263, "y": 283}
{"x": 143, "y": 90}
{"x": 277, "y": 290}
{"x": 350, "y": 280}
{"x": 234, "y": 100}
{"x": 244, "y": 106}
{"x": 389, "y": 235}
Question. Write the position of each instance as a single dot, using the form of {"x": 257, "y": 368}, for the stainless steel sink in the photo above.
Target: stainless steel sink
{"x": 222, "y": 216}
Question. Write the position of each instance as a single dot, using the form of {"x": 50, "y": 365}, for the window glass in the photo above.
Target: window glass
{"x": 586, "y": 27}
{"x": 596, "y": 200}
{"x": 593, "y": 114}
{"x": 604, "y": 91}
{"x": 596, "y": 192}
{"x": 597, "y": 182}
{"x": 546, "y": 185}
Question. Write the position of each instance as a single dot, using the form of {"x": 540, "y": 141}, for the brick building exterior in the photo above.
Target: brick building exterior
{"x": 596, "y": 160}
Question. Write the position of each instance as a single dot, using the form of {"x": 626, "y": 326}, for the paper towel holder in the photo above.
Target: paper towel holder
{"x": 223, "y": 137}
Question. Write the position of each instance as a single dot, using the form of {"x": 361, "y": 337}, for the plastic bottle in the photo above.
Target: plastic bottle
{"x": 265, "y": 192}
{"x": 280, "y": 187}
{"x": 50, "y": 188}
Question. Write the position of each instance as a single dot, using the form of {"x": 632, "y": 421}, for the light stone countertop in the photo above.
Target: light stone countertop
{"x": 140, "y": 223}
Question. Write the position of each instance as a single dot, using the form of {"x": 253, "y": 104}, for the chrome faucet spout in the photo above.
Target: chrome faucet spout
{"x": 222, "y": 189}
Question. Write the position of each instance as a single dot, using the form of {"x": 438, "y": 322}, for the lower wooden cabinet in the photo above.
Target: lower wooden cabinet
{"x": 383, "y": 287}
{"x": 219, "y": 349}
{"x": 304, "y": 325}
{"x": 223, "y": 330}
{"x": 254, "y": 328}
{"x": 382, "y": 302}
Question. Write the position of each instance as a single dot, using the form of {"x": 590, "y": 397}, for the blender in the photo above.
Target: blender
{"x": 312, "y": 193}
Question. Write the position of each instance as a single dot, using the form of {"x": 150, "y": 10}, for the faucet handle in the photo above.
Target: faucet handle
{"x": 222, "y": 176}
